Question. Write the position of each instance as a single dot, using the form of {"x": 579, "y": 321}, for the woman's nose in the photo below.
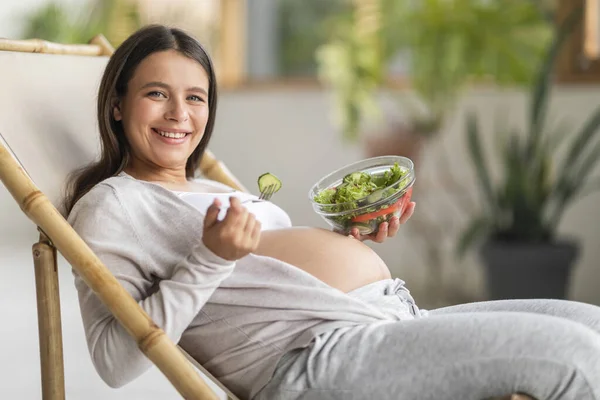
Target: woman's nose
{"x": 177, "y": 112}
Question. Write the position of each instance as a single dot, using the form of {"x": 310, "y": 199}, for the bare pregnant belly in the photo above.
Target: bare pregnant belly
{"x": 339, "y": 261}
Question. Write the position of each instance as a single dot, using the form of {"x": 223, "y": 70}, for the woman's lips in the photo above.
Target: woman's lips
{"x": 169, "y": 140}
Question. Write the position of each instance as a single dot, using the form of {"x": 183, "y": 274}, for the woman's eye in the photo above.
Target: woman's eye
{"x": 195, "y": 98}
{"x": 156, "y": 94}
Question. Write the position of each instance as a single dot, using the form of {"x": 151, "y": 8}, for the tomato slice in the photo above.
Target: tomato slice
{"x": 401, "y": 205}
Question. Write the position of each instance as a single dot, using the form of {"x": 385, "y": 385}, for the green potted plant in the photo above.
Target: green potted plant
{"x": 517, "y": 229}
{"x": 447, "y": 43}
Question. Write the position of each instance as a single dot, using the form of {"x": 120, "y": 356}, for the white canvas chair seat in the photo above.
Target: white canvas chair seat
{"x": 48, "y": 103}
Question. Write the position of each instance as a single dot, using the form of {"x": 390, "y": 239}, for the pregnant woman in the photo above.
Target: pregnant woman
{"x": 272, "y": 310}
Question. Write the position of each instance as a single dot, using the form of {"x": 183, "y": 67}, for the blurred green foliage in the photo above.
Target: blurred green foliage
{"x": 57, "y": 22}
{"x": 447, "y": 44}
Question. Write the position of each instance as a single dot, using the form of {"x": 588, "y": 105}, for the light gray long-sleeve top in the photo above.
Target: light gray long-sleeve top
{"x": 235, "y": 318}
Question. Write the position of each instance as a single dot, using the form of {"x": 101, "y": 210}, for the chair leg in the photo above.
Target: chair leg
{"x": 49, "y": 320}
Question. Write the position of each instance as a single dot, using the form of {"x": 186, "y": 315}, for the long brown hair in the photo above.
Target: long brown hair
{"x": 115, "y": 150}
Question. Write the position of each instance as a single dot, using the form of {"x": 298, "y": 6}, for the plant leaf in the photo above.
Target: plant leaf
{"x": 571, "y": 183}
{"x": 476, "y": 153}
{"x": 569, "y": 173}
{"x": 581, "y": 142}
{"x": 477, "y": 228}
{"x": 557, "y": 136}
{"x": 585, "y": 167}
{"x": 539, "y": 103}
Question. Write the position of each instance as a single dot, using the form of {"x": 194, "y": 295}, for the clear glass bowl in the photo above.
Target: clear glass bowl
{"x": 369, "y": 212}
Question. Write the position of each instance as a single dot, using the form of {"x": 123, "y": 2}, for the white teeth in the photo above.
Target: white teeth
{"x": 172, "y": 135}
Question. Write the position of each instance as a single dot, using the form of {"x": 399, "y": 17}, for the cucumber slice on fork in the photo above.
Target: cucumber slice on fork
{"x": 268, "y": 179}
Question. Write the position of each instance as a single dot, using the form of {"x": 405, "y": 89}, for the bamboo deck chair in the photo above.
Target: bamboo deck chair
{"x": 35, "y": 140}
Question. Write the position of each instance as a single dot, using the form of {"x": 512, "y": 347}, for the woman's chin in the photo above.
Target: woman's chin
{"x": 172, "y": 161}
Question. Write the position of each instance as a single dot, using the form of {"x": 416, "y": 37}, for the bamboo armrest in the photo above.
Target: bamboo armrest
{"x": 217, "y": 171}
{"x": 98, "y": 46}
{"x": 196, "y": 364}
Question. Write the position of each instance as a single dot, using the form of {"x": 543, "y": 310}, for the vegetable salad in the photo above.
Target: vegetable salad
{"x": 358, "y": 190}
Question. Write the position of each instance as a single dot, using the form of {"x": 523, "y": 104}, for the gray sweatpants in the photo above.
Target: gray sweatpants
{"x": 549, "y": 349}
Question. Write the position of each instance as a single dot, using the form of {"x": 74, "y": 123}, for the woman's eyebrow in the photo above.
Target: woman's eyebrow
{"x": 166, "y": 86}
{"x": 155, "y": 84}
{"x": 198, "y": 89}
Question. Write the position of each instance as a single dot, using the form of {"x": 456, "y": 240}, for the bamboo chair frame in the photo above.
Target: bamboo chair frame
{"x": 57, "y": 234}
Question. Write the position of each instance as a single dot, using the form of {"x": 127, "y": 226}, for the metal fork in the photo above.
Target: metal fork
{"x": 267, "y": 192}
{"x": 265, "y": 195}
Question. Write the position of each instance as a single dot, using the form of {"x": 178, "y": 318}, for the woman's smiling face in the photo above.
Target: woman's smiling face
{"x": 165, "y": 111}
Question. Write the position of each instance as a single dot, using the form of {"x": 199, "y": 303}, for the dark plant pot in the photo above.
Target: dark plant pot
{"x": 522, "y": 271}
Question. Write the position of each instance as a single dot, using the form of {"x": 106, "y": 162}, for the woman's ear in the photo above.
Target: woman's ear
{"x": 116, "y": 108}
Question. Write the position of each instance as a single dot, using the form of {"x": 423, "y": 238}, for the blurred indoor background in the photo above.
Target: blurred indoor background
{"x": 503, "y": 132}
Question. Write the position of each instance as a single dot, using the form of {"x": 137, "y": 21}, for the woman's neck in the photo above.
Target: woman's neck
{"x": 159, "y": 176}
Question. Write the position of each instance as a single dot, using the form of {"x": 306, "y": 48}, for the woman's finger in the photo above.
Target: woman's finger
{"x": 250, "y": 222}
{"x": 394, "y": 226}
{"x": 382, "y": 233}
{"x": 254, "y": 235}
{"x": 256, "y": 231}
{"x": 408, "y": 212}
{"x": 236, "y": 219}
{"x": 212, "y": 213}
